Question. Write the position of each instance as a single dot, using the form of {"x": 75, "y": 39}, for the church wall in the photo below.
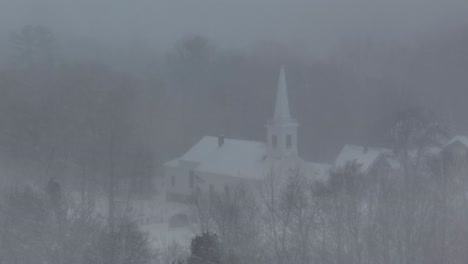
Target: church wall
{"x": 220, "y": 182}
{"x": 176, "y": 179}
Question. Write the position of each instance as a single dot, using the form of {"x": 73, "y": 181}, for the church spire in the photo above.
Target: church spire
{"x": 282, "y": 130}
{"x": 282, "y": 104}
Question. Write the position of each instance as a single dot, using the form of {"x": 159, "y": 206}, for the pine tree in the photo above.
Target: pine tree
{"x": 205, "y": 249}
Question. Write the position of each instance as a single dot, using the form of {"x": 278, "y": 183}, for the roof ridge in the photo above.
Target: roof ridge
{"x": 362, "y": 146}
{"x": 235, "y": 139}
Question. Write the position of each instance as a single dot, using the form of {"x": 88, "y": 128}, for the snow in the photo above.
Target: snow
{"x": 153, "y": 216}
{"x": 363, "y": 156}
{"x": 462, "y": 139}
{"x": 161, "y": 235}
{"x": 318, "y": 171}
{"x": 241, "y": 158}
{"x": 244, "y": 159}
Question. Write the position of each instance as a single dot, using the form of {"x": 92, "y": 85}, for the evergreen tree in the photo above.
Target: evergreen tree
{"x": 205, "y": 249}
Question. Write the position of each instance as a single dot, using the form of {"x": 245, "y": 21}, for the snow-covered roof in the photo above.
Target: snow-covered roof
{"x": 462, "y": 139}
{"x": 234, "y": 157}
{"x": 244, "y": 159}
{"x": 361, "y": 155}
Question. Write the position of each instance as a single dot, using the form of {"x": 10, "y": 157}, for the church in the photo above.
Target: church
{"x": 216, "y": 164}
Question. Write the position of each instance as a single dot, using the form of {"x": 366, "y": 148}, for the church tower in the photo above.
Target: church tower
{"x": 282, "y": 129}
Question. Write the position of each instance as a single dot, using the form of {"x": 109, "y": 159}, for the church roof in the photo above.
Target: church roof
{"x": 363, "y": 156}
{"x": 462, "y": 139}
{"x": 244, "y": 159}
{"x": 234, "y": 157}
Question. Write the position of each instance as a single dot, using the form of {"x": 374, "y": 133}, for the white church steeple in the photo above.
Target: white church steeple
{"x": 282, "y": 105}
{"x": 282, "y": 129}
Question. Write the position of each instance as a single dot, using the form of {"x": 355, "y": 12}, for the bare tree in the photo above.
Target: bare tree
{"x": 234, "y": 217}
{"x": 290, "y": 215}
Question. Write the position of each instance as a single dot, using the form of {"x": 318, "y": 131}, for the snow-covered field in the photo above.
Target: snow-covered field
{"x": 162, "y": 235}
{"x": 153, "y": 217}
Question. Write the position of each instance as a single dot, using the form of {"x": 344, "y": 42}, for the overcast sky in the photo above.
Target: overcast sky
{"x": 313, "y": 24}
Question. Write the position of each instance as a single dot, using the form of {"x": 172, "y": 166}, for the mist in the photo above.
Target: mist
{"x": 313, "y": 26}
{"x": 248, "y": 131}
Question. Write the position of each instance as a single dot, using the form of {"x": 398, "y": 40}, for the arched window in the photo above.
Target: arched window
{"x": 274, "y": 141}
{"x": 173, "y": 181}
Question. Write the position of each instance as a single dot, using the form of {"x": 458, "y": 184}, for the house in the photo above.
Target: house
{"x": 454, "y": 156}
{"x": 457, "y": 146}
{"x": 216, "y": 164}
{"x": 370, "y": 161}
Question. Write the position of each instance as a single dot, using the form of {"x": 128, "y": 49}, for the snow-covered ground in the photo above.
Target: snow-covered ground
{"x": 153, "y": 217}
{"x": 151, "y": 214}
{"x": 162, "y": 235}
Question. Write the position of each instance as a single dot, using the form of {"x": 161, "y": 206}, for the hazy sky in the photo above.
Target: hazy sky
{"x": 311, "y": 24}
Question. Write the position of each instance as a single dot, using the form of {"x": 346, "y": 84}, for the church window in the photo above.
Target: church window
{"x": 274, "y": 141}
{"x": 288, "y": 141}
{"x": 173, "y": 181}
{"x": 192, "y": 179}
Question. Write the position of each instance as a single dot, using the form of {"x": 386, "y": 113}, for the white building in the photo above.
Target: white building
{"x": 215, "y": 164}
{"x": 370, "y": 161}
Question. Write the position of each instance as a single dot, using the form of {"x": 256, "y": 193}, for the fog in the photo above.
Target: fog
{"x": 313, "y": 26}
{"x": 248, "y": 131}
